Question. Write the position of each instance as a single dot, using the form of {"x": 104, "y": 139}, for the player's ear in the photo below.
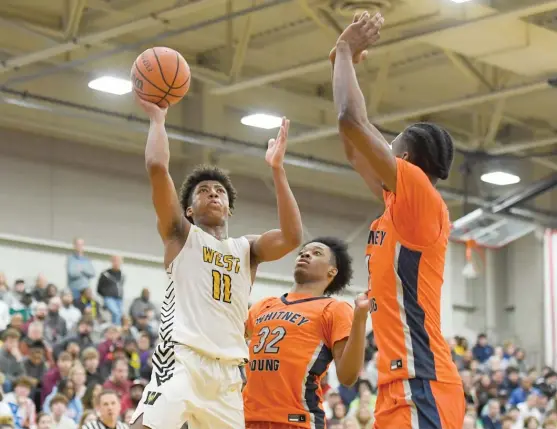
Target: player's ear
{"x": 230, "y": 212}
{"x": 332, "y": 272}
{"x": 189, "y": 212}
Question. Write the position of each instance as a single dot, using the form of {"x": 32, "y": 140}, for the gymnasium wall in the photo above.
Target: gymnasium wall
{"x": 55, "y": 190}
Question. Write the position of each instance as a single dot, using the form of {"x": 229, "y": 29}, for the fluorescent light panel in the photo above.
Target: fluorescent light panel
{"x": 262, "y": 120}
{"x": 460, "y": 1}
{"x": 500, "y": 178}
{"x": 111, "y": 85}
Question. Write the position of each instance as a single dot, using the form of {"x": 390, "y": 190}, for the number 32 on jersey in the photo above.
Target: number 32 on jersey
{"x": 222, "y": 287}
{"x": 268, "y": 343}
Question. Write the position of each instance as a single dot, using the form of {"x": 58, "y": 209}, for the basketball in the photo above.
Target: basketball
{"x": 161, "y": 76}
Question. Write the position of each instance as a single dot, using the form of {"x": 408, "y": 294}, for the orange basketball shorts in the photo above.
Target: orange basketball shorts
{"x": 419, "y": 404}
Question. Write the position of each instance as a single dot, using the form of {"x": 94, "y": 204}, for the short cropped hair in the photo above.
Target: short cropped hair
{"x": 431, "y": 148}
{"x": 341, "y": 260}
{"x": 201, "y": 174}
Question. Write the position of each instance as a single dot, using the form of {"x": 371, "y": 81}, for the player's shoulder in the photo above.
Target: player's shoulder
{"x": 336, "y": 307}
{"x": 264, "y": 304}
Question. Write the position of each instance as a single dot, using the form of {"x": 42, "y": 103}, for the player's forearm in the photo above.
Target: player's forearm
{"x": 290, "y": 219}
{"x": 347, "y": 95}
{"x": 157, "y": 151}
{"x": 352, "y": 359}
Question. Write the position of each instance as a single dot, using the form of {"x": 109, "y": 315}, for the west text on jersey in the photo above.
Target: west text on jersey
{"x": 376, "y": 237}
{"x": 228, "y": 262}
{"x": 288, "y": 316}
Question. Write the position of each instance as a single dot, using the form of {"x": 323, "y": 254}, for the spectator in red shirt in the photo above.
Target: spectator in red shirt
{"x": 119, "y": 382}
{"x": 54, "y": 375}
{"x": 111, "y": 335}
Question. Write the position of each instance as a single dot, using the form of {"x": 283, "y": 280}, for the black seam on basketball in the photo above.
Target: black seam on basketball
{"x": 184, "y": 84}
{"x": 160, "y": 67}
{"x": 145, "y": 77}
{"x": 173, "y": 80}
{"x": 163, "y": 78}
{"x": 146, "y": 94}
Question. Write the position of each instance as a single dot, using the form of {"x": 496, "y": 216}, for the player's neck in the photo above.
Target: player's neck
{"x": 314, "y": 289}
{"x": 109, "y": 423}
{"x": 220, "y": 232}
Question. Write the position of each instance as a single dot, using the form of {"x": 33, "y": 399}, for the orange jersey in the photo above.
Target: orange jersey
{"x": 291, "y": 343}
{"x": 406, "y": 259}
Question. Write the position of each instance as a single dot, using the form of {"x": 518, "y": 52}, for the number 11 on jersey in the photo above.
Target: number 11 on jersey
{"x": 222, "y": 287}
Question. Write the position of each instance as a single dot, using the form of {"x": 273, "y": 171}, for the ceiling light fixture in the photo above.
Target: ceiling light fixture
{"x": 262, "y": 120}
{"x": 460, "y": 1}
{"x": 111, "y": 85}
{"x": 500, "y": 178}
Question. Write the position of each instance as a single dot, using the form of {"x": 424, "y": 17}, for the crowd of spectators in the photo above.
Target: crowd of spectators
{"x": 69, "y": 357}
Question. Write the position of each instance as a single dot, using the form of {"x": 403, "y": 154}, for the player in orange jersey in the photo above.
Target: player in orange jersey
{"x": 419, "y": 386}
{"x": 294, "y": 338}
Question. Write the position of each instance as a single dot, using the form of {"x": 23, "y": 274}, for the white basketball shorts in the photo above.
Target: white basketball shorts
{"x": 189, "y": 387}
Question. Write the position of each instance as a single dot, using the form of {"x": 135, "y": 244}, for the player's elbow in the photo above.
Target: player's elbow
{"x": 347, "y": 379}
{"x": 155, "y": 166}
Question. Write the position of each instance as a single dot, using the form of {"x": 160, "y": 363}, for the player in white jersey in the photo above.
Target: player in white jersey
{"x": 196, "y": 375}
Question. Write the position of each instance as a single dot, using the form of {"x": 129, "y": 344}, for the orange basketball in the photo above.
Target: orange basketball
{"x": 161, "y": 76}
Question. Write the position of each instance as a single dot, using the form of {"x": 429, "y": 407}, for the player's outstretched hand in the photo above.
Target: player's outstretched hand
{"x": 277, "y": 147}
{"x": 362, "y": 305}
{"x": 155, "y": 113}
{"x": 362, "y": 33}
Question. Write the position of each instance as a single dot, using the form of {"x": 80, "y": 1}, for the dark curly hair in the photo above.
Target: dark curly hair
{"x": 431, "y": 148}
{"x": 341, "y": 260}
{"x": 201, "y": 174}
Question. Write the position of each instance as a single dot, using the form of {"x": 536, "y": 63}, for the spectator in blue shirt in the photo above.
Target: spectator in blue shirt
{"x": 482, "y": 351}
{"x": 520, "y": 394}
{"x": 80, "y": 269}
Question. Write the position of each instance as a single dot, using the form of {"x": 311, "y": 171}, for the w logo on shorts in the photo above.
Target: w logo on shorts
{"x": 152, "y": 398}
{"x": 163, "y": 362}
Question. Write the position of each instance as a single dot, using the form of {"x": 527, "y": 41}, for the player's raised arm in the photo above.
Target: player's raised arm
{"x": 364, "y": 144}
{"x": 276, "y": 243}
{"x": 349, "y": 353}
{"x": 172, "y": 224}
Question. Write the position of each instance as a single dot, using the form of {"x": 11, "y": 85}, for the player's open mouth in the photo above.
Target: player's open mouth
{"x": 302, "y": 262}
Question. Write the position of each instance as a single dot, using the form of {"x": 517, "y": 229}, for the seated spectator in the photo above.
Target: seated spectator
{"x": 130, "y": 346}
{"x": 520, "y": 394}
{"x": 507, "y": 423}
{"x": 34, "y": 334}
{"x": 44, "y": 421}
{"x": 119, "y": 382}
{"x": 11, "y": 360}
{"x": 111, "y": 288}
{"x": 482, "y": 351}
{"x": 90, "y": 359}
{"x": 90, "y": 399}
{"x": 136, "y": 392}
{"x": 22, "y": 407}
{"x": 39, "y": 291}
{"x": 55, "y": 328}
{"x": 34, "y": 367}
{"x": 80, "y": 269}
{"x": 532, "y": 423}
{"x": 16, "y": 322}
{"x": 57, "y": 373}
{"x": 519, "y": 361}
{"x": 66, "y": 388}
{"x": 111, "y": 336}
{"x": 128, "y": 331}
{"x": 82, "y": 338}
{"x": 331, "y": 399}
{"x": 365, "y": 398}
{"x": 142, "y": 324}
{"x": 15, "y": 298}
{"x": 79, "y": 378}
{"x": 492, "y": 419}
{"x": 69, "y": 312}
{"x": 51, "y": 292}
{"x": 141, "y": 305}
{"x": 39, "y": 316}
{"x": 364, "y": 417}
{"x": 529, "y": 407}
{"x": 59, "y": 411}
{"x": 88, "y": 305}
